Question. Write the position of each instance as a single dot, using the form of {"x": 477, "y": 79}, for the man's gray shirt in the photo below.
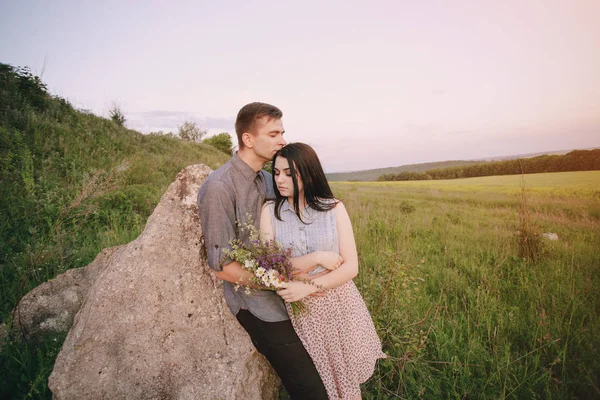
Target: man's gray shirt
{"x": 235, "y": 193}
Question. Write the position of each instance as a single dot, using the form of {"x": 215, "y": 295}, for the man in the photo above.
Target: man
{"x": 235, "y": 193}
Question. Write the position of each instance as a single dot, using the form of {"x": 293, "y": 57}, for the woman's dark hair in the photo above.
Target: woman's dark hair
{"x": 304, "y": 162}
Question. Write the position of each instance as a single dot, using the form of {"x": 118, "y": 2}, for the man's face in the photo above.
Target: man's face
{"x": 268, "y": 138}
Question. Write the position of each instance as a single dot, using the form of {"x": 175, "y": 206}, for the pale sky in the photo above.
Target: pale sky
{"x": 367, "y": 84}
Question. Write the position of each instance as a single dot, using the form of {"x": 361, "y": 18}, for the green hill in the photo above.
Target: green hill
{"x": 72, "y": 183}
{"x": 373, "y": 174}
{"x": 576, "y": 160}
{"x": 70, "y": 178}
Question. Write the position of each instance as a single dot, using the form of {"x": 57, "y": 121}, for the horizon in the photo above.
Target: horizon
{"x": 390, "y": 83}
{"x": 486, "y": 159}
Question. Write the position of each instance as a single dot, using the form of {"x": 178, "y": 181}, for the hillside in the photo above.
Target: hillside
{"x": 72, "y": 183}
{"x": 373, "y": 174}
{"x": 531, "y": 155}
{"x": 576, "y": 160}
{"x": 69, "y": 178}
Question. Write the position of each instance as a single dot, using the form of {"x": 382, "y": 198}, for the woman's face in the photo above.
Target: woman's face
{"x": 283, "y": 178}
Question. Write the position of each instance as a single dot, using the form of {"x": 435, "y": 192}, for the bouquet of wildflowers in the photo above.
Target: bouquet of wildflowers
{"x": 267, "y": 260}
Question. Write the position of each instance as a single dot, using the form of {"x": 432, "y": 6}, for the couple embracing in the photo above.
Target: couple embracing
{"x": 329, "y": 350}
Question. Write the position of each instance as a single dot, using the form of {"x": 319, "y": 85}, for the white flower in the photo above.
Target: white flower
{"x": 265, "y": 279}
{"x": 277, "y": 283}
{"x": 260, "y": 271}
{"x": 273, "y": 278}
{"x": 249, "y": 264}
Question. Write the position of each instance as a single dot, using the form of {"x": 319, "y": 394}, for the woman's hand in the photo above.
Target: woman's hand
{"x": 329, "y": 259}
{"x": 295, "y": 291}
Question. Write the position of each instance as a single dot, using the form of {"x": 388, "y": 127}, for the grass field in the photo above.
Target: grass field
{"x": 460, "y": 313}
{"x": 562, "y": 184}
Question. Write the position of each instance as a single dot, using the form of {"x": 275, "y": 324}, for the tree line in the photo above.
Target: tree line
{"x": 576, "y": 160}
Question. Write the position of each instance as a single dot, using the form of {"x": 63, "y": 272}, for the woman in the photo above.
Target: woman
{"x": 336, "y": 330}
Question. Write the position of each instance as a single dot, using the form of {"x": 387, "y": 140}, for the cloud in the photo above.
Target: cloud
{"x": 168, "y": 121}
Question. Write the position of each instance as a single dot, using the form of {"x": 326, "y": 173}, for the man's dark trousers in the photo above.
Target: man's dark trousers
{"x": 280, "y": 344}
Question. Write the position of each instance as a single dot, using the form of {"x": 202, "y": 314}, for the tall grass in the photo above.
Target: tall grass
{"x": 460, "y": 313}
{"x": 71, "y": 184}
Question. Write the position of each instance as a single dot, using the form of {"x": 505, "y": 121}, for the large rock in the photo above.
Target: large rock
{"x": 154, "y": 324}
{"x": 51, "y": 307}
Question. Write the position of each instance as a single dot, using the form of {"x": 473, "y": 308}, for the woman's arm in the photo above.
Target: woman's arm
{"x": 328, "y": 259}
{"x": 266, "y": 226}
{"x": 295, "y": 291}
{"x": 349, "y": 268}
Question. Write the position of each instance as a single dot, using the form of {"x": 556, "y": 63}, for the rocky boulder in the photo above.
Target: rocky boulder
{"x": 51, "y": 307}
{"x": 154, "y": 324}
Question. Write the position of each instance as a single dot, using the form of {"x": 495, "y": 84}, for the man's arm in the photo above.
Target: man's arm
{"x": 216, "y": 208}
{"x": 235, "y": 273}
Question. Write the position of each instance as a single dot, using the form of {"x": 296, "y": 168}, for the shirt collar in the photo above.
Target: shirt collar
{"x": 247, "y": 172}
{"x": 285, "y": 206}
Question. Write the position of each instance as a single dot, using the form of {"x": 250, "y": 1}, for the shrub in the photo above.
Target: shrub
{"x": 116, "y": 115}
{"x": 191, "y": 132}
{"x": 222, "y": 141}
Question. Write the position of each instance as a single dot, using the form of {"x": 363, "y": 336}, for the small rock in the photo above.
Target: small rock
{"x": 550, "y": 236}
{"x": 51, "y": 307}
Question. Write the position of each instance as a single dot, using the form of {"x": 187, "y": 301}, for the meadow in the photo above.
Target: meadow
{"x": 468, "y": 298}
{"x": 581, "y": 184}
{"x": 461, "y": 310}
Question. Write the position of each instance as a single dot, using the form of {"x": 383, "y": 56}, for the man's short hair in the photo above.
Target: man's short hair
{"x": 246, "y": 118}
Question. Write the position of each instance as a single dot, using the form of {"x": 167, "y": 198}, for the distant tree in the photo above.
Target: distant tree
{"x": 191, "y": 132}
{"x": 20, "y": 82}
{"x": 405, "y": 176}
{"x": 268, "y": 167}
{"x": 576, "y": 160}
{"x": 116, "y": 114}
{"x": 222, "y": 141}
{"x": 162, "y": 133}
